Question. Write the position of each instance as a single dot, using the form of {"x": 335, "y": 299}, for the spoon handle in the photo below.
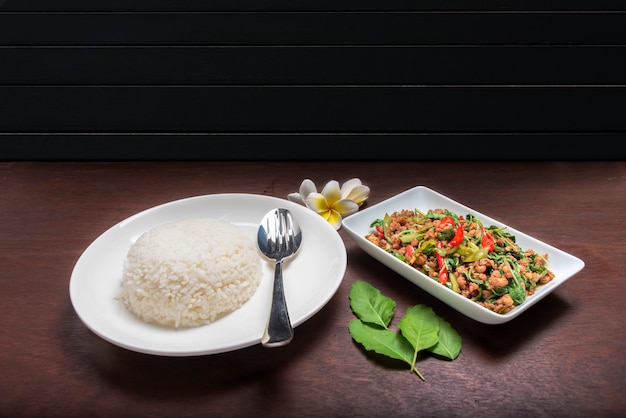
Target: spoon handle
{"x": 278, "y": 330}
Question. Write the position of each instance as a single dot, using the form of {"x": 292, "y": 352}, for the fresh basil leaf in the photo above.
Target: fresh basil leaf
{"x": 371, "y": 306}
{"x": 420, "y": 327}
{"x": 449, "y": 344}
{"x": 381, "y": 341}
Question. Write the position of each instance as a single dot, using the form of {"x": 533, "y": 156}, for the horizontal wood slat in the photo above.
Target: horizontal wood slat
{"x": 312, "y": 109}
{"x": 313, "y": 29}
{"x": 306, "y": 5}
{"x": 328, "y": 147}
{"x": 314, "y": 66}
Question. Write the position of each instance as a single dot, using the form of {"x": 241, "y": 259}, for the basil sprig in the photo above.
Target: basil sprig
{"x": 419, "y": 329}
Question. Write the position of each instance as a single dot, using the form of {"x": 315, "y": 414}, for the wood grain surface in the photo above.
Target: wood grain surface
{"x": 562, "y": 358}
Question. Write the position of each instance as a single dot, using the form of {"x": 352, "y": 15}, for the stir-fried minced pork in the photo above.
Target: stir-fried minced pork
{"x": 483, "y": 264}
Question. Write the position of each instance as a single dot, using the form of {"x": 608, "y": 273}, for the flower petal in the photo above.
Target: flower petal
{"x": 332, "y": 192}
{"x": 306, "y": 188}
{"x": 334, "y": 219}
{"x": 345, "y": 207}
{"x": 297, "y": 198}
{"x": 359, "y": 194}
{"x": 317, "y": 202}
{"x": 347, "y": 187}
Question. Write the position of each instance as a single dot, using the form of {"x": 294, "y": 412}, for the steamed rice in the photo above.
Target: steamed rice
{"x": 189, "y": 273}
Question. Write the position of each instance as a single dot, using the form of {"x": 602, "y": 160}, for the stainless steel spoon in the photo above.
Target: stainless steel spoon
{"x": 278, "y": 238}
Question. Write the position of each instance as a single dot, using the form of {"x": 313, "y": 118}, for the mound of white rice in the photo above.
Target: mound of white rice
{"x": 190, "y": 273}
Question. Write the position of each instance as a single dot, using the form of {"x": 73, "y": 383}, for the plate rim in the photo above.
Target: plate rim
{"x": 333, "y": 284}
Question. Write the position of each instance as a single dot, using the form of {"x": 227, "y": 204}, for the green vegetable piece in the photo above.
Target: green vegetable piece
{"x": 427, "y": 247}
{"x": 387, "y": 227}
{"x": 449, "y": 344}
{"x": 471, "y": 252}
{"x": 454, "y": 284}
{"x": 409, "y": 235}
{"x": 376, "y": 222}
{"x": 446, "y": 234}
{"x": 371, "y": 306}
{"x": 420, "y": 327}
{"x": 381, "y": 341}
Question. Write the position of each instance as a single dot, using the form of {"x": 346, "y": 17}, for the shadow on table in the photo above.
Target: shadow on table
{"x": 186, "y": 377}
{"x": 497, "y": 342}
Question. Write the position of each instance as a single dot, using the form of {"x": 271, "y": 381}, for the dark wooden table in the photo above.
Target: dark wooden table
{"x": 563, "y": 357}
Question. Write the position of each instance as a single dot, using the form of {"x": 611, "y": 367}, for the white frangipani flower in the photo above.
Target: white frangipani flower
{"x": 334, "y": 202}
{"x": 330, "y": 205}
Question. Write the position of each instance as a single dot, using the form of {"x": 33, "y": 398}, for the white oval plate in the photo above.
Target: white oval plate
{"x": 311, "y": 278}
{"x": 357, "y": 226}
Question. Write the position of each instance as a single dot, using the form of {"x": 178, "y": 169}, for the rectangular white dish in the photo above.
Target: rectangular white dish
{"x": 357, "y": 226}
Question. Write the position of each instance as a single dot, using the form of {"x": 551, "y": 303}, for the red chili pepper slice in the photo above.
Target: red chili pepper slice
{"x": 443, "y": 276}
{"x": 409, "y": 250}
{"x": 380, "y": 231}
{"x": 458, "y": 236}
{"x": 445, "y": 221}
{"x": 443, "y": 272}
{"x": 487, "y": 241}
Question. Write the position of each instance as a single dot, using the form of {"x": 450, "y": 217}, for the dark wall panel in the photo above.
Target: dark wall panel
{"x": 188, "y": 79}
{"x": 312, "y": 109}
{"x": 312, "y": 28}
{"x": 284, "y": 66}
{"x": 309, "y": 5}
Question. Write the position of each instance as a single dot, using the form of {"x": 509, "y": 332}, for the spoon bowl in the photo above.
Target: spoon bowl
{"x": 279, "y": 237}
